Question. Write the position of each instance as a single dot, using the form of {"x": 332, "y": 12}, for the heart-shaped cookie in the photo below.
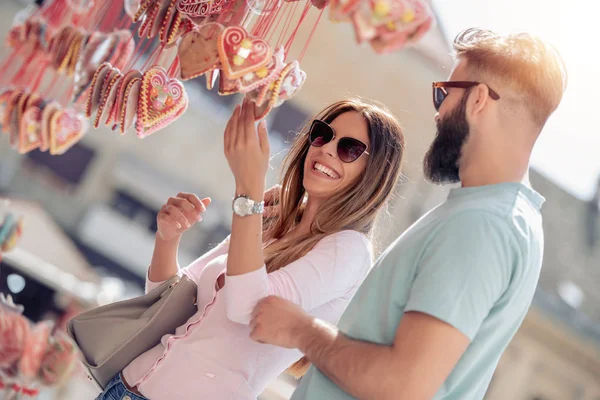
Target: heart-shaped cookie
{"x": 264, "y": 75}
{"x": 167, "y": 20}
{"x": 47, "y": 113}
{"x": 123, "y": 94}
{"x": 67, "y": 127}
{"x": 107, "y": 89}
{"x": 290, "y": 81}
{"x": 198, "y": 50}
{"x": 4, "y": 97}
{"x": 129, "y": 105}
{"x": 228, "y": 86}
{"x": 13, "y": 118}
{"x": 161, "y": 101}
{"x": 11, "y": 105}
{"x": 159, "y": 18}
{"x": 107, "y": 116}
{"x": 143, "y": 8}
{"x": 30, "y": 130}
{"x": 241, "y": 54}
{"x": 93, "y": 100}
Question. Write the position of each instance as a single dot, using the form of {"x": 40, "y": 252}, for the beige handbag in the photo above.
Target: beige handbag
{"x": 112, "y": 336}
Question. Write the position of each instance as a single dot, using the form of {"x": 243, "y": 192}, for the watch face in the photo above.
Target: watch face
{"x": 242, "y": 206}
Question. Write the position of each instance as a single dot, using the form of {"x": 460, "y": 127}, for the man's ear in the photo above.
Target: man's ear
{"x": 478, "y": 99}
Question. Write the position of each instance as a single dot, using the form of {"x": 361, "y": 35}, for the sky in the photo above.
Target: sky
{"x": 568, "y": 151}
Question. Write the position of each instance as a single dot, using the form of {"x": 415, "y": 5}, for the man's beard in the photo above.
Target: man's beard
{"x": 440, "y": 164}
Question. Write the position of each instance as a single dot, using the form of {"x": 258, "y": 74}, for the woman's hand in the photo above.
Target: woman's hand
{"x": 180, "y": 214}
{"x": 247, "y": 151}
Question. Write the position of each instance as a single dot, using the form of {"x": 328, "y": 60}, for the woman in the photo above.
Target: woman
{"x": 338, "y": 175}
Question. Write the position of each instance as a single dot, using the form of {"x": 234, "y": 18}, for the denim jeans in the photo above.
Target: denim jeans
{"x": 116, "y": 390}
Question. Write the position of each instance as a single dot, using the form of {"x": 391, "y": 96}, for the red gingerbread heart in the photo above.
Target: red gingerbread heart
{"x": 161, "y": 101}
{"x": 241, "y": 54}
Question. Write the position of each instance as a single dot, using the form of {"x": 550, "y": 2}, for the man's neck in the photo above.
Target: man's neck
{"x": 491, "y": 171}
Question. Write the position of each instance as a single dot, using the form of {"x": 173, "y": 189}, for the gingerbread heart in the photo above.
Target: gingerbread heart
{"x": 179, "y": 26}
{"x": 142, "y": 9}
{"x": 47, "y": 113}
{"x": 291, "y": 80}
{"x": 4, "y": 97}
{"x": 13, "y": 116}
{"x": 167, "y": 20}
{"x": 198, "y": 50}
{"x": 109, "y": 80}
{"x": 264, "y": 75}
{"x": 123, "y": 95}
{"x": 30, "y": 130}
{"x": 11, "y": 106}
{"x": 111, "y": 95}
{"x": 241, "y": 54}
{"x": 227, "y": 86}
{"x": 161, "y": 101}
{"x": 93, "y": 100}
{"x": 67, "y": 127}
{"x": 129, "y": 105}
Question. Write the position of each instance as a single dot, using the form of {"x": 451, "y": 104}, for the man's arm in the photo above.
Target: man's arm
{"x": 423, "y": 354}
{"x": 424, "y": 351}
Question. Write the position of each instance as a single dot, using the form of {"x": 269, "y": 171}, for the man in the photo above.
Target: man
{"x": 442, "y": 303}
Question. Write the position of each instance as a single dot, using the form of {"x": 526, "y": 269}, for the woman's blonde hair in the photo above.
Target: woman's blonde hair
{"x": 355, "y": 207}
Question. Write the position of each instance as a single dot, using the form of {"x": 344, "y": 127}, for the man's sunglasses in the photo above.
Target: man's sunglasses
{"x": 348, "y": 149}
{"x": 440, "y": 92}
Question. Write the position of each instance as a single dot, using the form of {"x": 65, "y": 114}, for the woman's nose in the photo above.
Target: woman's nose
{"x": 330, "y": 149}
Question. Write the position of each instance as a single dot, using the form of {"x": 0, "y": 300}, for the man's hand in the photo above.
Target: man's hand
{"x": 278, "y": 322}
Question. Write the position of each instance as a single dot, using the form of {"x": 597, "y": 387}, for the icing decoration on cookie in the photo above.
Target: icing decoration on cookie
{"x": 241, "y": 54}
{"x": 66, "y": 128}
{"x": 161, "y": 101}
{"x": 30, "y": 130}
{"x": 200, "y": 8}
{"x": 264, "y": 75}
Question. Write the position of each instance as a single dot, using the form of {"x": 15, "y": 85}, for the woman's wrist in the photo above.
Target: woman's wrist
{"x": 174, "y": 241}
{"x": 254, "y": 192}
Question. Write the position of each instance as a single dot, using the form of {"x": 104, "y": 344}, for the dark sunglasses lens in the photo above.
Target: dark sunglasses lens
{"x": 438, "y": 97}
{"x": 350, "y": 149}
{"x": 320, "y": 134}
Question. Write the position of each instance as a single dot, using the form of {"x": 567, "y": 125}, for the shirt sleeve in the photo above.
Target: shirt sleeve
{"x": 464, "y": 270}
{"x": 337, "y": 264}
{"x": 194, "y": 269}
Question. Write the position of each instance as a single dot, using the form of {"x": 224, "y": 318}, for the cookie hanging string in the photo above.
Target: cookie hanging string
{"x": 288, "y": 44}
{"x": 310, "y": 35}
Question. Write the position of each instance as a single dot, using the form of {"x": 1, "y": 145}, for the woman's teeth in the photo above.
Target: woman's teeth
{"x": 326, "y": 171}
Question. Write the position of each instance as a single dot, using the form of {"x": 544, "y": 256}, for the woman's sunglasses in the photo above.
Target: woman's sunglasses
{"x": 440, "y": 92}
{"x": 348, "y": 149}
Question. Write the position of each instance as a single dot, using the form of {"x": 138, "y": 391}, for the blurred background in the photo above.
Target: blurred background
{"x": 90, "y": 214}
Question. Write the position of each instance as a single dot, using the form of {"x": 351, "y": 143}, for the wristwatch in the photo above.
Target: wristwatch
{"x": 244, "y": 206}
